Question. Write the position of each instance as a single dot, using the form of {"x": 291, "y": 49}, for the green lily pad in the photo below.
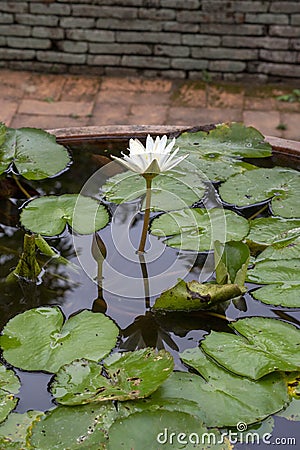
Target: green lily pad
{"x": 83, "y": 427}
{"x": 39, "y": 340}
{"x": 292, "y": 412}
{"x": 168, "y": 430}
{"x": 224, "y": 399}
{"x": 275, "y": 271}
{"x": 13, "y": 432}
{"x": 194, "y": 296}
{"x": 34, "y": 152}
{"x": 287, "y": 295}
{"x": 49, "y": 215}
{"x": 197, "y": 229}
{"x": 263, "y": 346}
{"x": 255, "y": 186}
{"x": 281, "y": 250}
{"x": 9, "y": 385}
{"x": 231, "y": 262}
{"x": 233, "y": 139}
{"x": 272, "y": 230}
{"x": 128, "y": 376}
{"x": 175, "y": 189}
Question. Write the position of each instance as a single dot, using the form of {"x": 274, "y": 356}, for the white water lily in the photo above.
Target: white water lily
{"x": 156, "y": 157}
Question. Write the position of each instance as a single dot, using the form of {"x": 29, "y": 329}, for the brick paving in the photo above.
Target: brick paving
{"x": 56, "y": 101}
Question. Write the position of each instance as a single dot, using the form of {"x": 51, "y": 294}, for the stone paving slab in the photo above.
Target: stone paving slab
{"x": 66, "y": 100}
{"x": 61, "y": 108}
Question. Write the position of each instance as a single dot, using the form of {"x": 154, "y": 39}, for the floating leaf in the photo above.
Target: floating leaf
{"x": 162, "y": 429}
{"x": 231, "y": 262}
{"x": 39, "y": 340}
{"x": 9, "y": 385}
{"x": 197, "y": 229}
{"x": 233, "y": 139}
{"x": 49, "y": 215}
{"x": 272, "y": 230}
{"x": 13, "y": 432}
{"x": 281, "y": 250}
{"x": 292, "y": 412}
{"x": 34, "y": 152}
{"x": 272, "y": 271}
{"x": 263, "y": 346}
{"x": 255, "y": 186}
{"x": 287, "y": 295}
{"x": 170, "y": 190}
{"x": 82, "y": 427}
{"x": 224, "y": 398}
{"x": 128, "y": 376}
{"x": 193, "y": 296}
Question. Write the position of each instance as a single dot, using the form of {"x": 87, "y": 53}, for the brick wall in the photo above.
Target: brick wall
{"x": 227, "y": 39}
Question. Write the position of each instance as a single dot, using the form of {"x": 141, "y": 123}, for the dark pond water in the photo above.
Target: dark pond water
{"x": 75, "y": 291}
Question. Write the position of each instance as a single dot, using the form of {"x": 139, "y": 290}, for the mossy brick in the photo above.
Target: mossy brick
{"x": 14, "y": 54}
{"x": 47, "y": 32}
{"x": 156, "y": 14}
{"x": 224, "y": 53}
{"x": 15, "y": 30}
{"x": 14, "y": 7}
{"x": 6, "y": 18}
{"x": 201, "y": 40}
{"x": 285, "y": 70}
{"x": 120, "y": 49}
{"x": 233, "y": 29}
{"x": 50, "y": 8}
{"x": 278, "y": 56}
{"x": 177, "y": 4}
{"x": 145, "y": 62}
{"x": 73, "y": 47}
{"x": 137, "y": 24}
{"x": 60, "y": 57}
{"x": 148, "y": 37}
{"x": 227, "y": 66}
{"x": 181, "y": 27}
{"x": 252, "y": 6}
{"x": 30, "y": 43}
{"x": 295, "y": 19}
{"x": 77, "y": 22}
{"x": 280, "y": 19}
{"x": 284, "y": 31}
{"x": 34, "y": 19}
{"x": 189, "y": 64}
{"x": 259, "y": 42}
{"x": 103, "y": 60}
{"x": 171, "y": 50}
{"x": 91, "y": 35}
{"x": 105, "y": 11}
{"x": 284, "y": 6}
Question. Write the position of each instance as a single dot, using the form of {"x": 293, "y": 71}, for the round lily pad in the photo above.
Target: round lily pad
{"x": 13, "y": 432}
{"x": 281, "y": 186}
{"x": 34, "y": 152}
{"x": 233, "y": 139}
{"x": 271, "y": 230}
{"x": 128, "y": 376}
{"x": 171, "y": 190}
{"x": 39, "y": 340}
{"x": 9, "y": 385}
{"x": 49, "y": 215}
{"x": 197, "y": 229}
{"x": 275, "y": 271}
{"x": 285, "y": 294}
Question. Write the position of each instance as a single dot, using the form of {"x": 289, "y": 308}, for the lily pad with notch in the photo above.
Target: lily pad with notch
{"x": 38, "y": 339}
{"x": 196, "y": 229}
{"x": 129, "y": 376}
{"x": 266, "y": 231}
{"x": 281, "y": 294}
{"x": 280, "y": 185}
{"x": 263, "y": 346}
{"x": 49, "y": 215}
{"x": 29, "y": 149}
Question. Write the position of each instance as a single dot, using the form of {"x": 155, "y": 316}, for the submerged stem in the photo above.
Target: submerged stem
{"x": 148, "y": 177}
{"x": 22, "y": 189}
{"x": 258, "y": 212}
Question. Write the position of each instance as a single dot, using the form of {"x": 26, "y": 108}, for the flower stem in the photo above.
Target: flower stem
{"x": 21, "y": 187}
{"x": 148, "y": 177}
